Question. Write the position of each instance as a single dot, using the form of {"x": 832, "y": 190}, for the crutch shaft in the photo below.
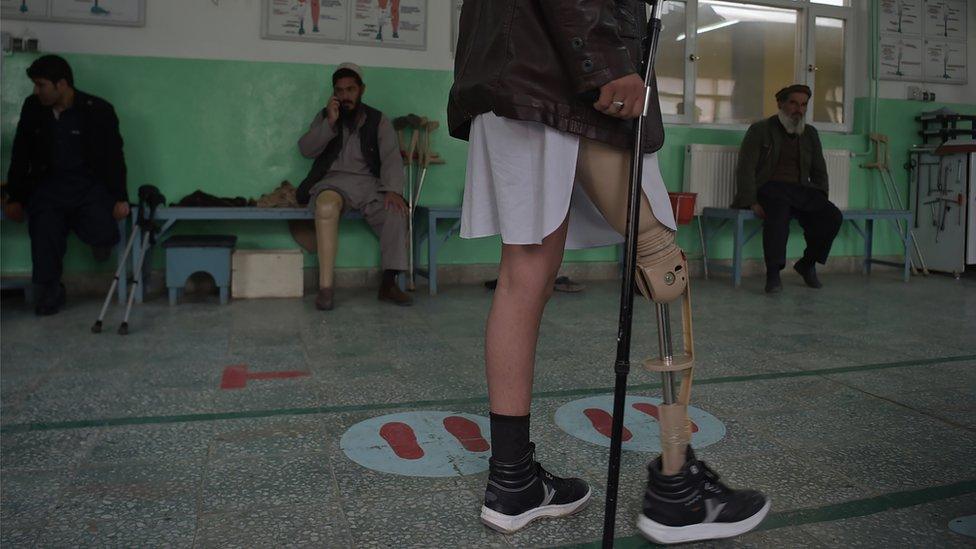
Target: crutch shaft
{"x": 118, "y": 272}
{"x": 137, "y": 276}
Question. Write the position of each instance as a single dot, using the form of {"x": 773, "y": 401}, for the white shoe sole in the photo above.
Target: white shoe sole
{"x": 660, "y": 533}
{"x": 508, "y": 524}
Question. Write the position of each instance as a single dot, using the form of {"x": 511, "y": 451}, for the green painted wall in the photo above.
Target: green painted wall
{"x": 230, "y": 128}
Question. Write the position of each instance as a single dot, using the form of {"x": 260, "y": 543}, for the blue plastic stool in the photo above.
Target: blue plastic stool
{"x": 188, "y": 254}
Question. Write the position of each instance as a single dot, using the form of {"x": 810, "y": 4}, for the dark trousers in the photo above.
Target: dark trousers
{"x": 820, "y": 219}
{"x": 55, "y": 208}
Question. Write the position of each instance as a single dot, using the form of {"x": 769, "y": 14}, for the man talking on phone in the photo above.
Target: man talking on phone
{"x": 357, "y": 167}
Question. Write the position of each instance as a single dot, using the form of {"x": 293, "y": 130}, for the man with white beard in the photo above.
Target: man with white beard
{"x": 782, "y": 175}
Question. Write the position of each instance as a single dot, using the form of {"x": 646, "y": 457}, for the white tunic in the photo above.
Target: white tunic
{"x": 520, "y": 184}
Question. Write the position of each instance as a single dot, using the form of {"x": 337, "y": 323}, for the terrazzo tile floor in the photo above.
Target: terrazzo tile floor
{"x": 853, "y": 407}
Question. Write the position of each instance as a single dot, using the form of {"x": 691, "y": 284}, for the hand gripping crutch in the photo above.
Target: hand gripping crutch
{"x": 622, "y": 363}
{"x": 149, "y": 199}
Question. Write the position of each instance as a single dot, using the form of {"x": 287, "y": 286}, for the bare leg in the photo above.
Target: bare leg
{"x": 525, "y": 278}
{"x": 395, "y": 16}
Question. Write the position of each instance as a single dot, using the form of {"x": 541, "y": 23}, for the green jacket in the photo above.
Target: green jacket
{"x": 759, "y": 153}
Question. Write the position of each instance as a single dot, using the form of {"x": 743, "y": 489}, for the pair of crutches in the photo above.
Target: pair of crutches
{"x": 417, "y": 157}
{"x": 667, "y": 365}
{"x": 149, "y": 199}
{"x": 881, "y": 159}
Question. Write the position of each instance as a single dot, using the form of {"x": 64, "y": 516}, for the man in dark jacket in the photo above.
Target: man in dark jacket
{"x": 782, "y": 175}
{"x": 546, "y": 91}
{"x": 357, "y": 167}
{"x": 67, "y": 172}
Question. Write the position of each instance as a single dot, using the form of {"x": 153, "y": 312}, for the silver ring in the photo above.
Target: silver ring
{"x": 618, "y": 104}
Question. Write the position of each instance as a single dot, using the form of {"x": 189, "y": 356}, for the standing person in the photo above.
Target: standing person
{"x": 357, "y": 167}
{"x": 67, "y": 173}
{"x": 548, "y": 168}
{"x": 781, "y": 175}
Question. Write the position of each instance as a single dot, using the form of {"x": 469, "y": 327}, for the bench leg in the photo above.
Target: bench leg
{"x": 136, "y": 254}
{"x": 433, "y": 243}
{"x": 173, "y": 293}
{"x": 868, "y": 244}
{"x": 737, "y": 242}
{"x": 908, "y": 254}
{"x": 703, "y": 239}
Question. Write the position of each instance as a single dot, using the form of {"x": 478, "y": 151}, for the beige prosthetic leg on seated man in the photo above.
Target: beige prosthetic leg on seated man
{"x": 328, "y": 210}
{"x": 684, "y": 500}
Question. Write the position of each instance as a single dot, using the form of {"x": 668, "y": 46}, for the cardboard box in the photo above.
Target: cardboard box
{"x": 266, "y": 273}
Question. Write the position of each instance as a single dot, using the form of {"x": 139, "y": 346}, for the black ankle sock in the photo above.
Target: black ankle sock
{"x": 509, "y": 437}
{"x": 389, "y": 277}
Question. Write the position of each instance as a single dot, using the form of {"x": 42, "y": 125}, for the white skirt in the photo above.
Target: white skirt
{"x": 507, "y": 160}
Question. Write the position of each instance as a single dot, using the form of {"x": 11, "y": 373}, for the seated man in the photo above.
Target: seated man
{"x": 781, "y": 175}
{"x": 357, "y": 166}
{"x": 67, "y": 172}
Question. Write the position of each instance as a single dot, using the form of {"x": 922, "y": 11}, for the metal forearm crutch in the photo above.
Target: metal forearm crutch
{"x": 411, "y": 181}
{"x": 625, "y": 322}
{"x": 149, "y": 199}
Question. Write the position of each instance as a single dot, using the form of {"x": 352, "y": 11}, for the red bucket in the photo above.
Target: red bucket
{"x": 683, "y": 205}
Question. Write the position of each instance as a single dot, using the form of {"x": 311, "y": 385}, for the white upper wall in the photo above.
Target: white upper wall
{"x": 230, "y": 29}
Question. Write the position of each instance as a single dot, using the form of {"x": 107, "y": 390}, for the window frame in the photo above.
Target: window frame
{"x": 804, "y": 55}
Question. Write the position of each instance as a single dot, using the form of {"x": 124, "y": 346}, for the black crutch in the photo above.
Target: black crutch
{"x": 149, "y": 199}
{"x": 622, "y": 363}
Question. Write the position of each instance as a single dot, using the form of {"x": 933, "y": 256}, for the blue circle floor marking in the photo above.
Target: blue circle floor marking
{"x": 420, "y": 444}
{"x": 964, "y": 525}
{"x": 589, "y": 418}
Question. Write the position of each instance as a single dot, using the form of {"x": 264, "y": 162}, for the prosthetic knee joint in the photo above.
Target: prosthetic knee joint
{"x": 662, "y": 276}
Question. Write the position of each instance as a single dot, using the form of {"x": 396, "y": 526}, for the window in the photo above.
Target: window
{"x": 827, "y": 66}
{"x": 720, "y": 62}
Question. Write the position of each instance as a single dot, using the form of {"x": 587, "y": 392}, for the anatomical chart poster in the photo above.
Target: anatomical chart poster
{"x": 389, "y": 23}
{"x": 306, "y": 20}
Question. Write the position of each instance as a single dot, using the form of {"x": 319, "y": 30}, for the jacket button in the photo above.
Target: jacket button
{"x": 577, "y": 43}
{"x": 587, "y": 65}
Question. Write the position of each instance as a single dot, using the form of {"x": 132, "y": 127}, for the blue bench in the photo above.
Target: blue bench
{"x": 434, "y": 238}
{"x": 168, "y": 217}
{"x": 713, "y": 219}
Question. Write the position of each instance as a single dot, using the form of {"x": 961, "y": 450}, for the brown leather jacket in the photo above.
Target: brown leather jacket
{"x": 537, "y": 60}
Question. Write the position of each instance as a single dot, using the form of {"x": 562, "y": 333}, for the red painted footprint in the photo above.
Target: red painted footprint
{"x": 651, "y": 410}
{"x": 467, "y": 433}
{"x": 602, "y": 422}
{"x": 402, "y": 440}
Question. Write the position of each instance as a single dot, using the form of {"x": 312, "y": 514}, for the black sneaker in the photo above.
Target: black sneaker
{"x": 523, "y": 491}
{"x": 693, "y": 505}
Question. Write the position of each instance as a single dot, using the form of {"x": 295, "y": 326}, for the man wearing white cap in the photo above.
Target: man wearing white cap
{"x": 357, "y": 167}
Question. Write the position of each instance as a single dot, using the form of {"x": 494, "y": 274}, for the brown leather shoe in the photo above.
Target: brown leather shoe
{"x": 323, "y": 301}
{"x": 393, "y": 294}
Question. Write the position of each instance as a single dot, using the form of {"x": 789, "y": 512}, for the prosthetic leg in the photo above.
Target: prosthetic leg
{"x": 328, "y": 208}
{"x": 684, "y": 500}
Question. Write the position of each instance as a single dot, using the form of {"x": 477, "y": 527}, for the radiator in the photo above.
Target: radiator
{"x": 710, "y": 172}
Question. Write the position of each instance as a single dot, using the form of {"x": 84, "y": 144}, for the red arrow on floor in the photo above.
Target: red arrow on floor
{"x": 236, "y": 376}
